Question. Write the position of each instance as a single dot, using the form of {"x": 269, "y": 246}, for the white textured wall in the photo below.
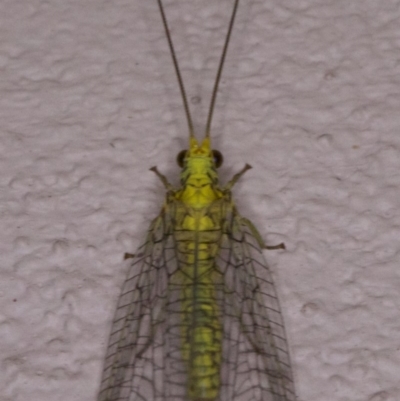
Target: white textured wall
{"x": 89, "y": 101}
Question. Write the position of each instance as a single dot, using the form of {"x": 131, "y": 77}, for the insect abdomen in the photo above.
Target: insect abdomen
{"x": 201, "y": 331}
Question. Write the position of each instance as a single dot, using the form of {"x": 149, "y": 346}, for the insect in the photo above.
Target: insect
{"x": 198, "y": 318}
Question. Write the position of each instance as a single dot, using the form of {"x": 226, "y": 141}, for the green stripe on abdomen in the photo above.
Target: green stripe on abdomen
{"x": 201, "y": 326}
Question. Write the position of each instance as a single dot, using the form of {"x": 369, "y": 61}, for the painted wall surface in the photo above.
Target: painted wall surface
{"x": 89, "y": 102}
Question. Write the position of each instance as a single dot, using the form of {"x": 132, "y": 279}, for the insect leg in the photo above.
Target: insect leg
{"x": 236, "y": 177}
{"x": 258, "y": 237}
{"x": 163, "y": 179}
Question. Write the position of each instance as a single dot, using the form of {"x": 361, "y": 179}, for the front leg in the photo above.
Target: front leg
{"x": 163, "y": 179}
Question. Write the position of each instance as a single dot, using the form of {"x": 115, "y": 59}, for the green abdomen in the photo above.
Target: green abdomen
{"x": 201, "y": 332}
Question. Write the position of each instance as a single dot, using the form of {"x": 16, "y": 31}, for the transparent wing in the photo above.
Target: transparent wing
{"x": 144, "y": 356}
{"x": 131, "y": 364}
{"x": 256, "y": 363}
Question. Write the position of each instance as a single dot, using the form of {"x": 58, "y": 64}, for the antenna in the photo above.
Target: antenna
{"x": 220, "y": 68}
{"x": 176, "y": 66}
{"x": 219, "y": 71}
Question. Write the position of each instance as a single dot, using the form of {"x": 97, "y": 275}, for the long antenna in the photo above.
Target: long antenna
{"x": 176, "y": 66}
{"x": 220, "y": 67}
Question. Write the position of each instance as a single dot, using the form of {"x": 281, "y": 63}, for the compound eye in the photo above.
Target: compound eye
{"x": 218, "y": 158}
{"x": 180, "y": 159}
